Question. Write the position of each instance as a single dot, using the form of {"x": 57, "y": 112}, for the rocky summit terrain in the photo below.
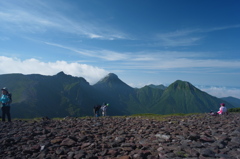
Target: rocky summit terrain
{"x": 193, "y": 136}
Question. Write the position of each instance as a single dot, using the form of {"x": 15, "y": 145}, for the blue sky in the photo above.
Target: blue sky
{"x": 143, "y": 42}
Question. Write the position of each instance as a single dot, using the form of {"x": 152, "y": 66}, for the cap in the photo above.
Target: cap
{"x": 222, "y": 104}
{"x": 5, "y": 88}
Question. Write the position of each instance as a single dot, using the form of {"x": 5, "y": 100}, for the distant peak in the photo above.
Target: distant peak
{"x": 112, "y": 75}
{"x": 61, "y": 74}
{"x": 179, "y": 84}
{"x": 112, "y": 81}
{"x": 161, "y": 86}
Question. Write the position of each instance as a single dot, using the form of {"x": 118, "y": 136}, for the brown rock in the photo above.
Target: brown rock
{"x": 68, "y": 142}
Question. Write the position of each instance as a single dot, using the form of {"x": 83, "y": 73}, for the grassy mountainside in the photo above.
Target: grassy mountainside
{"x": 114, "y": 91}
{"x": 183, "y": 97}
{"x": 157, "y": 86}
{"x": 53, "y": 96}
{"x": 64, "y": 95}
{"x": 142, "y": 100}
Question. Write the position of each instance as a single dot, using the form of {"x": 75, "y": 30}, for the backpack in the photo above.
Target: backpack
{"x": 97, "y": 107}
{"x": 10, "y": 98}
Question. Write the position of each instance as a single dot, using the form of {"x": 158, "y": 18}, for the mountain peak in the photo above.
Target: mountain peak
{"x": 179, "y": 84}
{"x": 61, "y": 74}
{"x": 110, "y": 77}
{"x": 112, "y": 81}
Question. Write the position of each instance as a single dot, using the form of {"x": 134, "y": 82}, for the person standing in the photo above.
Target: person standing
{"x": 6, "y": 100}
{"x": 104, "y": 109}
{"x": 96, "y": 109}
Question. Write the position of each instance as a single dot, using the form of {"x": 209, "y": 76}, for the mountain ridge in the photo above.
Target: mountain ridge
{"x": 234, "y": 101}
{"x": 63, "y": 95}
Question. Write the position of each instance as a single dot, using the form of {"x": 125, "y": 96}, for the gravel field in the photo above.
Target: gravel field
{"x": 194, "y": 136}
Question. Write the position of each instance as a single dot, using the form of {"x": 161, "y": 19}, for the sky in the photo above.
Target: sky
{"x": 143, "y": 42}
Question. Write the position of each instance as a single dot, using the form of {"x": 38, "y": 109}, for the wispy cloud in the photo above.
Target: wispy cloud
{"x": 32, "y": 66}
{"x": 180, "y": 41}
{"x": 24, "y": 21}
{"x": 187, "y": 37}
{"x": 221, "y": 28}
{"x": 178, "y": 38}
{"x": 178, "y": 33}
{"x": 101, "y": 54}
{"x": 195, "y": 66}
{"x": 109, "y": 55}
{"x": 44, "y": 18}
{"x": 156, "y": 60}
{"x": 4, "y": 38}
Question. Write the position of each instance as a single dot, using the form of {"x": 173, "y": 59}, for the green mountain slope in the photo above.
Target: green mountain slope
{"x": 157, "y": 86}
{"x": 114, "y": 91}
{"x": 143, "y": 99}
{"x": 53, "y": 96}
{"x": 183, "y": 97}
{"x": 64, "y": 95}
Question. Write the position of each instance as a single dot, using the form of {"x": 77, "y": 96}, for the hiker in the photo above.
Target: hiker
{"x": 104, "y": 109}
{"x": 222, "y": 110}
{"x": 6, "y": 100}
{"x": 212, "y": 113}
{"x": 96, "y": 109}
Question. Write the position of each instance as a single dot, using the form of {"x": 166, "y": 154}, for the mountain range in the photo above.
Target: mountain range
{"x": 63, "y": 95}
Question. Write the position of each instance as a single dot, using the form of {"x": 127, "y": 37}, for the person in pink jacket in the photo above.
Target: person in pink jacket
{"x": 222, "y": 109}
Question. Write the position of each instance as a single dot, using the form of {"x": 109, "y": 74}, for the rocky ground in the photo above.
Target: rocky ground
{"x": 195, "y": 136}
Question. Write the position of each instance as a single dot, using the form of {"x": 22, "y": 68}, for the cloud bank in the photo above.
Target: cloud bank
{"x": 90, "y": 73}
{"x": 221, "y": 91}
{"x": 33, "y": 66}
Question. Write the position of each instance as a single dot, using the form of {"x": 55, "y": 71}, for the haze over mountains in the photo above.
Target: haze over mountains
{"x": 64, "y": 95}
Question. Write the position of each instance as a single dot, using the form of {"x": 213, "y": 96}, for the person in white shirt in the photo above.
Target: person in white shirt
{"x": 104, "y": 109}
{"x": 222, "y": 109}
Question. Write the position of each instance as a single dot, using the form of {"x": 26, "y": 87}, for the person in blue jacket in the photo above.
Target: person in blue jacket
{"x": 6, "y": 100}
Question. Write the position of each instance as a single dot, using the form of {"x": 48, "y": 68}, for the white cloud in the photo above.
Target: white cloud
{"x": 221, "y": 91}
{"x": 90, "y": 73}
{"x": 33, "y": 66}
